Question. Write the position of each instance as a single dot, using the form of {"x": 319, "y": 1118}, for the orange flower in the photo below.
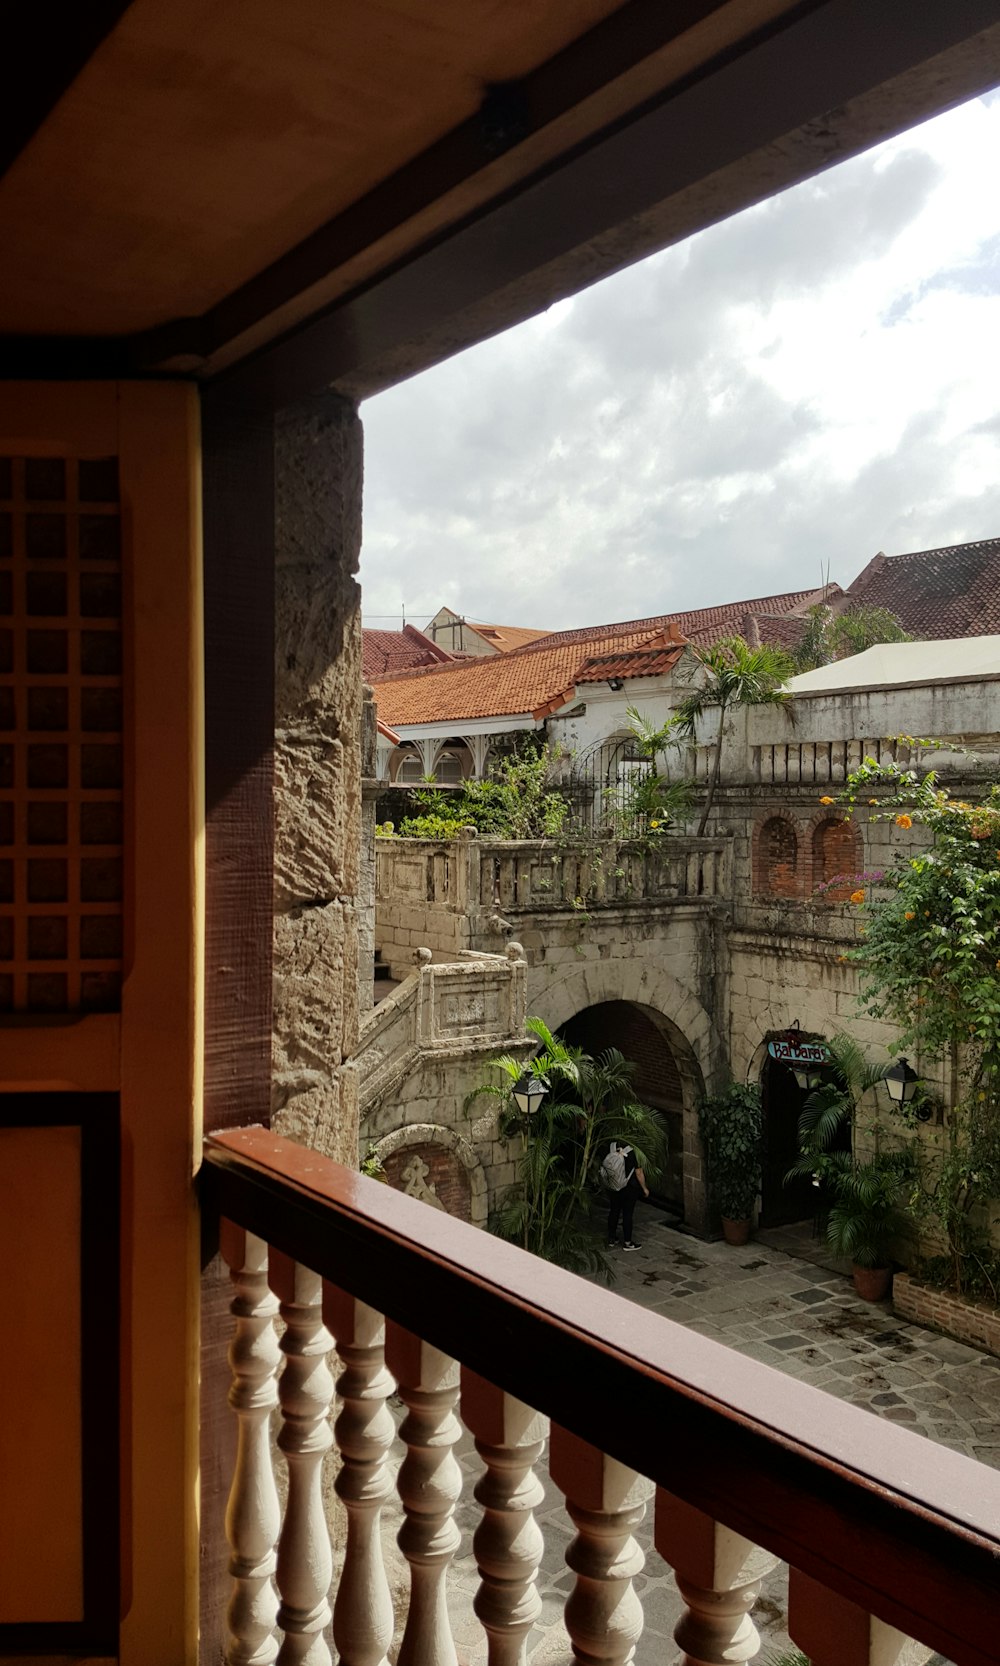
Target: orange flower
{"x": 909, "y": 915}
{"x": 904, "y": 821}
{"x": 873, "y": 801}
{"x": 857, "y": 896}
{"x": 826, "y": 800}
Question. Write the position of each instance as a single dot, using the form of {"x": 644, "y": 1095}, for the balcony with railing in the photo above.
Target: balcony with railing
{"x": 456, "y": 894}
{"x": 888, "y": 1537}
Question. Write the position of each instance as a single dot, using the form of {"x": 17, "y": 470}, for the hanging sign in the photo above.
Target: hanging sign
{"x": 798, "y": 1052}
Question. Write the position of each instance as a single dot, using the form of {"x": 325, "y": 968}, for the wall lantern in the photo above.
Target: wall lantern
{"x": 616, "y": 684}
{"x": 901, "y": 1082}
{"x": 807, "y": 1076}
{"x": 528, "y": 1092}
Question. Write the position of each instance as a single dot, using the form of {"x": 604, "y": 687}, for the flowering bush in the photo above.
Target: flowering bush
{"x": 929, "y": 963}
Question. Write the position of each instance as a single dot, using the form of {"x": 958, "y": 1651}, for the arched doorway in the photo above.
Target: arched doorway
{"x": 641, "y": 1035}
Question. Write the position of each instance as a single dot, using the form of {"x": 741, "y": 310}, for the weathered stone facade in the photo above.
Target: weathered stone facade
{"x": 719, "y": 942}
{"x": 318, "y": 702}
{"x": 423, "y": 1051}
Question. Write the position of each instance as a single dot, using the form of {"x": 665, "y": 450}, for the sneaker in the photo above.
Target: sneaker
{"x": 612, "y": 1243}
{"x": 631, "y": 1244}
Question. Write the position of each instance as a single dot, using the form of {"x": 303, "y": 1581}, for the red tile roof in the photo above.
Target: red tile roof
{"x": 505, "y": 638}
{"x": 936, "y": 594}
{"x": 660, "y": 654}
{"x": 384, "y": 651}
{"x": 541, "y": 676}
{"x": 535, "y": 679}
{"x": 700, "y": 624}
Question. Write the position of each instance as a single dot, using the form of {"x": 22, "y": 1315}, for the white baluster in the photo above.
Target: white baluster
{"x": 605, "y": 1501}
{"x": 719, "y": 1575}
{"x": 364, "y": 1431}
{"x": 835, "y": 1632}
{"x": 508, "y": 1543}
{"x": 305, "y": 1561}
{"x": 253, "y": 1514}
{"x": 430, "y": 1485}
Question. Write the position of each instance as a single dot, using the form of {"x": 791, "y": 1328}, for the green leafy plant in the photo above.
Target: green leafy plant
{"x": 590, "y": 1102}
{"x": 372, "y": 1164}
{"x": 732, "y": 674}
{"x": 518, "y": 801}
{"x": 929, "y": 957}
{"x": 832, "y": 636}
{"x": 731, "y": 1128}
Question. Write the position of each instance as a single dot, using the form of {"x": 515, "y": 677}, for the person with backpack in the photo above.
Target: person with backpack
{"x": 626, "y": 1182}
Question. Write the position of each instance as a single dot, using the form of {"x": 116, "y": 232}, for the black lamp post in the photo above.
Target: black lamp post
{"x": 528, "y": 1092}
{"x": 901, "y": 1082}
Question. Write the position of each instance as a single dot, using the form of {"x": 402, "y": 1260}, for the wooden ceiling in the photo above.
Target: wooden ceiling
{"x": 208, "y": 175}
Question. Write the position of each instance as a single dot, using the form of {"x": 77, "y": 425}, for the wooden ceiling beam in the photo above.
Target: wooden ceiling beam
{"x": 49, "y": 43}
{"x": 833, "y": 80}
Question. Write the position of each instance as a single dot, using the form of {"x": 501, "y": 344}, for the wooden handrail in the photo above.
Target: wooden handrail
{"x": 897, "y": 1524}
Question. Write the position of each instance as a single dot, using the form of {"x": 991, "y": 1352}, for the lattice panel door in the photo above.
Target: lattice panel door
{"x": 61, "y": 784}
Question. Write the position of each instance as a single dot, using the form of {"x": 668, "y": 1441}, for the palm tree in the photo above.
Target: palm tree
{"x": 735, "y": 675}
{"x": 828, "y": 636}
{"x": 591, "y": 1101}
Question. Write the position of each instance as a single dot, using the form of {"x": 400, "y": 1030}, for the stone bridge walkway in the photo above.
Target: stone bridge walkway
{"x": 798, "y": 1317}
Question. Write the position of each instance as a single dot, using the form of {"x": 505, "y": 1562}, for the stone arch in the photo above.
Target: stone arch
{"x": 776, "y": 869}
{"x": 419, "y": 1134}
{"x": 835, "y": 850}
{"x": 694, "y": 1042}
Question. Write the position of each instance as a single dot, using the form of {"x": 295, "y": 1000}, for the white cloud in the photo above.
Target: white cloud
{"x": 806, "y": 383}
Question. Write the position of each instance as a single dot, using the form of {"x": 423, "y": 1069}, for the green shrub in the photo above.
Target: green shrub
{"x": 731, "y": 1125}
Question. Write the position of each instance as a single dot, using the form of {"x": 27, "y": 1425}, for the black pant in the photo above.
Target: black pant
{"x": 623, "y": 1203}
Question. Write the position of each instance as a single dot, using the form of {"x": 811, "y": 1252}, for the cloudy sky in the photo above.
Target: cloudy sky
{"x": 795, "y": 389}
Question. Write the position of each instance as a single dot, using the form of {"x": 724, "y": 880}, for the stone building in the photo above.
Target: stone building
{"x": 223, "y": 226}
{"x": 692, "y": 956}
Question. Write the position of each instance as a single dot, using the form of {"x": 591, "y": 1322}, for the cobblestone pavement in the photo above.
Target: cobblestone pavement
{"x": 799, "y": 1317}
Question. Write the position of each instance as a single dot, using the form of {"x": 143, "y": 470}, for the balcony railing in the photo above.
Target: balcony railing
{"x": 887, "y": 1535}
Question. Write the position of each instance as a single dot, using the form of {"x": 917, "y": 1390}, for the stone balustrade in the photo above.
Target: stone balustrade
{"x": 461, "y": 893}
{"x": 477, "y": 1002}
{"x": 886, "y": 1537}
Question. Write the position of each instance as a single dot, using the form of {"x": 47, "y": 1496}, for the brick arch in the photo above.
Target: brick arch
{"x": 777, "y": 863}
{"x": 427, "y": 1138}
{"x": 694, "y": 1042}
{"x": 834, "y": 848}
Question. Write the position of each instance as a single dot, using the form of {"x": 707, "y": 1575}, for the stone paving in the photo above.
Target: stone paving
{"x": 801, "y": 1318}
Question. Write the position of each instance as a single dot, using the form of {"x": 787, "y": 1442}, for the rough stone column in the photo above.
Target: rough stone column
{"x": 366, "y": 879}
{"x": 317, "y": 774}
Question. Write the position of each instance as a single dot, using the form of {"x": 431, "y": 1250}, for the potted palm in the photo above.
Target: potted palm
{"x": 730, "y": 1125}
{"x": 867, "y": 1217}
{"x": 867, "y": 1214}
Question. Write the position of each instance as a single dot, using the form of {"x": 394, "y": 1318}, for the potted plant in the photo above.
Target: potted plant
{"x": 730, "y": 1123}
{"x": 865, "y": 1192}
{"x": 867, "y": 1216}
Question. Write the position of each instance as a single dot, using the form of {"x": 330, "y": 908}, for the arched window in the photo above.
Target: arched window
{"x": 410, "y": 768}
{"x": 835, "y": 856}
{"x": 778, "y": 859}
{"x": 448, "y": 770}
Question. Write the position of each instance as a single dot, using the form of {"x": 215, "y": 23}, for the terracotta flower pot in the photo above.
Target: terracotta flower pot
{"x": 872, "y": 1283}
{"x": 735, "y": 1232}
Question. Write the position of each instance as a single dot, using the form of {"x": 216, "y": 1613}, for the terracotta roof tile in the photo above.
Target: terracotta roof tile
{"x": 541, "y": 676}
{"x": 506, "y": 637}
{"x": 937, "y": 594}
{"x": 384, "y": 651}
{"x": 502, "y": 685}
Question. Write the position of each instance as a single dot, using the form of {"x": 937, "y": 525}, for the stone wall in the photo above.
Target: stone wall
{"x": 423, "y": 1051}
{"x": 317, "y": 869}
